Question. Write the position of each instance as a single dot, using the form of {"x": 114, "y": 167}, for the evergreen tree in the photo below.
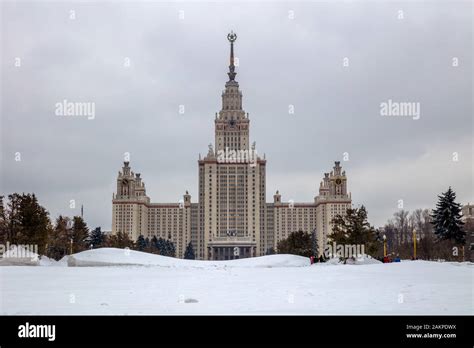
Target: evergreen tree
{"x": 171, "y": 249}
{"x": 189, "y": 253}
{"x": 167, "y": 247}
{"x": 447, "y": 218}
{"x": 148, "y": 245}
{"x": 11, "y": 217}
{"x": 314, "y": 244}
{"x": 354, "y": 229}
{"x": 96, "y": 238}
{"x": 3, "y": 222}
{"x": 79, "y": 234}
{"x": 59, "y": 241}
{"x": 141, "y": 243}
{"x": 154, "y": 245}
{"x": 120, "y": 240}
{"x": 297, "y": 243}
{"x": 34, "y": 224}
{"x": 161, "y": 246}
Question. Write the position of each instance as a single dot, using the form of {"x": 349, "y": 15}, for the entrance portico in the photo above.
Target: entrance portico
{"x": 231, "y": 248}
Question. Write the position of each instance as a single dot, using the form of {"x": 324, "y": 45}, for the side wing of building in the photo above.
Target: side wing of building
{"x": 133, "y": 214}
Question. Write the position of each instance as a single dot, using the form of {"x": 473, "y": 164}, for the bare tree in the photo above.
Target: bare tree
{"x": 401, "y": 224}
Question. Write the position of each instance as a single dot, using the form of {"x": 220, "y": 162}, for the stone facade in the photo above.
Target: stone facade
{"x": 467, "y": 212}
{"x": 231, "y": 219}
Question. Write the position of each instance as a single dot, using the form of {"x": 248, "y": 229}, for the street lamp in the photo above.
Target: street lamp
{"x": 384, "y": 245}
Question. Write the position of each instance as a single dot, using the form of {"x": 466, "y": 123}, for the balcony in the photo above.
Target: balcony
{"x": 232, "y": 240}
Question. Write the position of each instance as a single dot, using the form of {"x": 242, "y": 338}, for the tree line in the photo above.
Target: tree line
{"x": 440, "y": 233}
{"x": 24, "y": 221}
{"x": 352, "y": 228}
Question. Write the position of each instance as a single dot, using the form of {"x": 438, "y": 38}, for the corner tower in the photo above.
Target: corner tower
{"x": 129, "y": 204}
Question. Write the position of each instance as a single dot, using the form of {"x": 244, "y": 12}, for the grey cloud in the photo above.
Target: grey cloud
{"x": 282, "y": 62}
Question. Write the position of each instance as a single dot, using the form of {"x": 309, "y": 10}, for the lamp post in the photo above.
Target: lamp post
{"x": 414, "y": 244}
{"x": 384, "y": 245}
{"x": 71, "y": 248}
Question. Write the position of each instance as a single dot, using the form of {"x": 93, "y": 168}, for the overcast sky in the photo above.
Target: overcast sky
{"x": 286, "y": 58}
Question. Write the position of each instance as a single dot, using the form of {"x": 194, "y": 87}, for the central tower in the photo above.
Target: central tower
{"x": 231, "y": 124}
{"x": 231, "y": 183}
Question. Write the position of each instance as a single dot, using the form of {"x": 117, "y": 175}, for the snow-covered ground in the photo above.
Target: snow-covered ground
{"x": 277, "y": 284}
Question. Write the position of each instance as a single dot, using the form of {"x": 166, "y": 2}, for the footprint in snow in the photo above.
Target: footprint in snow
{"x": 191, "y": 300}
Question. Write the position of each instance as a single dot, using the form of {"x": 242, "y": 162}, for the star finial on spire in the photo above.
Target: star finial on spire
{"x": 231, "y": 37}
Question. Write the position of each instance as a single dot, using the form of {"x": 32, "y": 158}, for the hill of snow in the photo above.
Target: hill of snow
{"x": 126, "y": 257}
{"x": 363, "y": 260}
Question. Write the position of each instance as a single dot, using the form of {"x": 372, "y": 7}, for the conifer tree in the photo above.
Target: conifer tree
{"x": 154, "y": 245}
{"x": 79, "y": 234}
{"x": 148, "y": 245}
{"x": 171, "y": 249}
{"x": 297, "y": 243}
{"x": 189, "y": 253}
{"x": 353, "y": 228}
{"x": 34, "y": 224}
{"x": 96, "y": 238}
{"x": 12, "y": 224}
{"x": 3, "y": 222}
{"x": 314, "y": 244}
{"x": 59, "y": 241}
{"x": 161, "y": 246}
{"x": 120, "y": 240}
{"x": 447, "y": 221}
{"x": 141, "y": 243}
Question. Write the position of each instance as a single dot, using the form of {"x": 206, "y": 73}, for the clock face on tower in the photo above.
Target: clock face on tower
{"x": 125, "y": 182}
{"x": 232, "y": 123}
{"x": 338, "y": 181}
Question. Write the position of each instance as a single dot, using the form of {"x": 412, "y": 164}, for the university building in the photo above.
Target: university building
{"x": 467, "y": 212}
{"x": 231, "y": 218}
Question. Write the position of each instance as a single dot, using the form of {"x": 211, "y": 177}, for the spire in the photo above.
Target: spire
{"x": 231, "y": 37}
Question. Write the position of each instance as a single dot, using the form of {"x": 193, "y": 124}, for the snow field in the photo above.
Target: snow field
{"x": 277, "y": 284}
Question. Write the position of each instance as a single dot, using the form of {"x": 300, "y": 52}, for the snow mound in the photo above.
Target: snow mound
{"x": 18, "y": 255}
{"x": 364, "y": 260}
{"x": 47, "y": 262}
{"x": 125, "y": 257}
{"x": 63, "y": 261}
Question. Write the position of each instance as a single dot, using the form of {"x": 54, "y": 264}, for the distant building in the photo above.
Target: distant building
{"x": 468, "y": 218}
{"x": 467, "y": 212}
{"x": 231, "y": 218}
